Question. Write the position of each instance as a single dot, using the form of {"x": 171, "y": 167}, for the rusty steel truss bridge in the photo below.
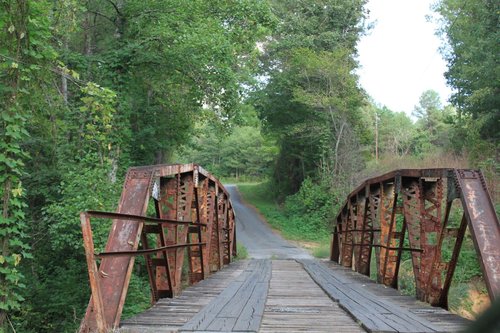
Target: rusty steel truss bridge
{"x": 180, "y": 217}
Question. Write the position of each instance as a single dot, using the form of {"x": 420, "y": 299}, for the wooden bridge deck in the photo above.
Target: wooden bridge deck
{"x": 291, "y": 296}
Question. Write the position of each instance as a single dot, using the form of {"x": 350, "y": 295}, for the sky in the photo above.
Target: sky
{"x": 399, "y": 57}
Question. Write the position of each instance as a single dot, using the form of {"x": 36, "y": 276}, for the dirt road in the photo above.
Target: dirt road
{"x": 255, "y": 234}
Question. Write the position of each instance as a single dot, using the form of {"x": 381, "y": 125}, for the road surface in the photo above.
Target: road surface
{"x": 256, "y": 235}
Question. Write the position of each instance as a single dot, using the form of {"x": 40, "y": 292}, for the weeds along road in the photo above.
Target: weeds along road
{"x": 255, "y": 234}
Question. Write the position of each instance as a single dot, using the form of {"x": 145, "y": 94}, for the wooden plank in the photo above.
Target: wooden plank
{"x": 295, "y": 303}
{"x": 280, "y": 296}
{"x": 221, "y": 325}
{"x": 168, "y": 315}
{"x": 376, "y": 315}
{"x": 233, "y": 306}
{"x": 439, "y": 317}
{"x": 390, "y": 313}
{"x": 251, "y": 315}
{"x": 202, "y": 320}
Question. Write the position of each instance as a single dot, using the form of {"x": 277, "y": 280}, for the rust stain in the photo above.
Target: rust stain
{"x": 420, "y": 219}
{"x": 186, "y": 217}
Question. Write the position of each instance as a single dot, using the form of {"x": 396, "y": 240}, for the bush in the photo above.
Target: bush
{"x": 311, "y": 209}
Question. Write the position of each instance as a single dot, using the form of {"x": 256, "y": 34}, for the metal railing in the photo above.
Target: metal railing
{"x": 415, "y": 210}
{"x": 193, "y": 212}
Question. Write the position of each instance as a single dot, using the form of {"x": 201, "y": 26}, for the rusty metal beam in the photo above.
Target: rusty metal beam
{"x": 146, "y": 251}
{"x": 135, "y": 218}
{"x": 414, "y": 205}
{"x": 190, "y": 205}
{"x": 483, "y": 225}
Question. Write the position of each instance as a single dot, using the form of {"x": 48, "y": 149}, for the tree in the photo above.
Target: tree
{"x": 244, "y": 152}
{"x": 184, "y": 61}
{"x": 428, "y": 109}
{"x": 396, "y": 133}
{"x": 25, "y": 54}
{"x": 329, "y": 87}
{"x": 470, "y": 32}
{"x": 311, "y": 97}
{"x": 433, "y": 120}
{"x": 89, "y": 89}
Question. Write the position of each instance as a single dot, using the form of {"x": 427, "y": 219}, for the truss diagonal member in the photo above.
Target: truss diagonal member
{"x": 412, "y": 207}
{"x": 190, "y": 204}
{"x": 483, "y": 225}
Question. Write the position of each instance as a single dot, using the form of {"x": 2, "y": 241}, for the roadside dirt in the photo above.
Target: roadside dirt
{"x": 476, "y": 302}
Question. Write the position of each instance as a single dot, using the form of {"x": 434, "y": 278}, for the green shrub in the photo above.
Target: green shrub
{"x": 304, "y": 216}
{"x": 311, "y": 209}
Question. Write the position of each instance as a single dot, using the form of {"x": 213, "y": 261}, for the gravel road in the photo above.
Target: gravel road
{"x": 255, "y": 234}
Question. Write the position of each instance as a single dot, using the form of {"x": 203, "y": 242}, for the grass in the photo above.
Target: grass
{"x": 322, "y": 251}
{"x": 290, "y": 227}
{"x": 257, "y": 195}
{"x": 242, "y": 252}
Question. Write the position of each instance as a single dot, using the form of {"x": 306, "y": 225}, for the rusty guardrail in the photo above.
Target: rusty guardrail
{"x": 193, "y": 212}
{"x": 412, "y": 210}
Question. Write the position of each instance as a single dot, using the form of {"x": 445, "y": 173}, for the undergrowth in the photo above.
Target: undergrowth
{"x": 241, "y": 252}
{"x": 301, "y": 218}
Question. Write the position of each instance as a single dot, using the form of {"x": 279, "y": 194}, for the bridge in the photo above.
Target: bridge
{"x": 185, "y": 223}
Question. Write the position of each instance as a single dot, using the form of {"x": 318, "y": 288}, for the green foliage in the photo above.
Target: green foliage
{"x": 97, "y": 112}
{"x": 397, "y": 135}
{"x": 12, "y": 212}
{"x": 241, "y": 251}
{"x": 317, "y": 24}
{"x": 88, "y": 89}
{"x": 327, "y": 84}
{"x": 322, "y": 251}
{"x": 242, "y": 153}
{"x": 138, "y": 295}
{"x": 433, "y": 124}
{"x": 406, "y": 279}
{"x": 53, "y": 287}
{"x": 396, "y": 132}
{"x": 311, "y": 100}
{"x": 467, "y": 273}
{"x": 296, "y": 223}
{"x": 311, "y": 209}
{"x": 187, "y": 60}
{"x": 24, "y": 31}
{"x": 470, "y": 31}
{"x": 261, "y": 197}
{"x": 85, "y": 188}
{"x": 101, "y": 86}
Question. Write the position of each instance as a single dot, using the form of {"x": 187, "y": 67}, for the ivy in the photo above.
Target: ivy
{"x": 14, "y": 247}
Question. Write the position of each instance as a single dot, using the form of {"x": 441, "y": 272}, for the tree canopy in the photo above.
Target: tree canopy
{"x": 250, "y": 89}
{"x": 470, "y": 31}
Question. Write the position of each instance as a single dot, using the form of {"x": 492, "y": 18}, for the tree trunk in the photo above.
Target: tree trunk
{"x": 339, "y": 136}
{"x": 88, "y": 29}
{"x": 114, "y": 166}
{"x": 376, "y": 138}
{"x": 64, "y": 88}
{"x": 64, "y": 78}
